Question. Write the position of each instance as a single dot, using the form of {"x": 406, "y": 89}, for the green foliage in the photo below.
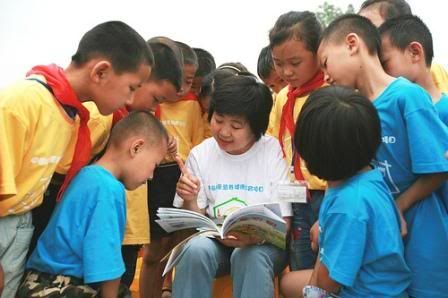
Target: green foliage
{"x": 327, "y": 12}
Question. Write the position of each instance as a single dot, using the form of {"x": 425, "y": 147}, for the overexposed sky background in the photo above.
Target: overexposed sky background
{"x": 48, "y": 31}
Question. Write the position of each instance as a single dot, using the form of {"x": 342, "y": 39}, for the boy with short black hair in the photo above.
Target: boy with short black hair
{"x": 407, "y": 50}
{"x": 414, "y": 144}
{"x": 38, "y": 121}
{"x": 82, "y": 243}
{"x": 266, "y": 71}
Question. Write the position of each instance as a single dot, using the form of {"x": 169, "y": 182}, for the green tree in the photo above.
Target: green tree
{"x": 327, "y": 12}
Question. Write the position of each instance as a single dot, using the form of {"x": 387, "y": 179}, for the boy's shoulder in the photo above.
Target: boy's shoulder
{"x": 405, "y": 92}
{"x": 21, "y": 92}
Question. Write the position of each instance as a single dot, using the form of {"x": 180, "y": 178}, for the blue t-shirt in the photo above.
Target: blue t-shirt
{"x": 360, "y": 242}
{"x": 442, "y": 108}
{"x": 414, "y": 142}
{"x": 83, "y": 238}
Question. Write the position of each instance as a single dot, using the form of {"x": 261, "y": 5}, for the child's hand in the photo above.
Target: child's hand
{"x": 403, "y": 224}
{"x": 188, "y": 185}
{"x": 240, "y": 240}
{"x": 314, "y": 236}
{"x": 172, "y": 146}
{"x": 2, "y": 280}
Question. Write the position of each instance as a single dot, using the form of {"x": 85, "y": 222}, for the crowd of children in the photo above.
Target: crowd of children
{"x": 355, "y": 112}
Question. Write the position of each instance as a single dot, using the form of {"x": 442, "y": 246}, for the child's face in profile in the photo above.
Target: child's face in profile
{"x": 274, "y": 82}
{"x": 151, "y": 94}
{"x": 188, "y": 72}
{"x": 196, "y": 85}
{"x": 142, "y": 165}
{"x": 232, "y": 133}
{"x": 395, "y": 61}
{"x": 117, "y": 90}
{"x": 294, "y": 63}
{"x": 373, "y": 14}
{"x": 337, "y": 64}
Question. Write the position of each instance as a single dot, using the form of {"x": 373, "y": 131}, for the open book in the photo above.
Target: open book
{"x": 263, "y": 221}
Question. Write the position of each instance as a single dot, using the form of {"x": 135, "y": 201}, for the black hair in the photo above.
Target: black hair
{"x": 243, "y": 95}
{"x": 265, "y": 64}
{"x": 168, "y": 61}
{"x": 188, "y": 54}
{"x": 338, "y": 132}
{"x": 206, "y": 62}
{"x": 117, "y": 42}
{"x": 225, "y": 70}
{"x": 388, "y": 8}
{"x": 403, "y": 30}
{"x": 353, "y": 23}
{"x": 300, "y": 25}
{"x": 138, "y": 123}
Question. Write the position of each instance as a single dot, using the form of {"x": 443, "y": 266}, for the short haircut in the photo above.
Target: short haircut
{"x": 403, "y": 30}
{"x": 300, "y": 25}
{"x": 388, "y": 8}
{"x": 206, "y": 62}
{"x": 338, "y": 132}
{"x": 225, "y": 70}
{"x": 353, "y": 23}
{"x": 265, "y": 64}
{"x": 188, "y": 54}
{"x": 138, "y": 123}
{"x": 168, "y": 61}
{"x": 243, "y": 95}
{"x": 117, "y": 42}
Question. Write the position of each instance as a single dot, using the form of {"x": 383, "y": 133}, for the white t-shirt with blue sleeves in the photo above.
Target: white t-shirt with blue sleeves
{"x": 415, "y": 142}
{"x": 360, "y": 242}
{"x": 83, "y": 238}
{"x": 229, "y": 182}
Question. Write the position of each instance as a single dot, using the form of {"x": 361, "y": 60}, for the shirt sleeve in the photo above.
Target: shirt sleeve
{"x": 428, "y": 138}
{"x": 342, "y": 244}
{"x": 13, "y": 136}
{"x": 102, "y": 259}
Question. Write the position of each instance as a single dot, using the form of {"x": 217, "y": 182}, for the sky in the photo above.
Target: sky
{"x": 36, "y": 32}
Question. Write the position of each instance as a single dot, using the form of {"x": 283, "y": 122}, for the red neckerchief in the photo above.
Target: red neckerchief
{"x": 119, "y": 114}
{"x": 64, "y": 94}
{"x": 189, "y": 96}
{"x": 287, "y": 120}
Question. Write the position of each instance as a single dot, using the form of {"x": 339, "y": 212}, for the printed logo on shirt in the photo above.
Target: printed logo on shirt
{"x": 31, "y": 198}
{"x": 385, "y": 168}
{"x": 388, "y": 139}
{"x": 174, "y": 122}
{"x": 245, "y": 187}
{"x": 42, "y": 161}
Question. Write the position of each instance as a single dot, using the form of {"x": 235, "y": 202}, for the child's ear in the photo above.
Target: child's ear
{"x": 352, "y": 42}
{"x": 101, "y": 70}
{"x": 415, "y": 51}
{"x": 137, "y": 147}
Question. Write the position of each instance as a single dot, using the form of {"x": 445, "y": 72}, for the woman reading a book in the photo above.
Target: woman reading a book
{"x": 237, "y": 167}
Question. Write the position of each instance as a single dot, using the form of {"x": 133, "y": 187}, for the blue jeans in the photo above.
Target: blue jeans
{"x": 304, "y": 216}
{"x": 252, "y": 269}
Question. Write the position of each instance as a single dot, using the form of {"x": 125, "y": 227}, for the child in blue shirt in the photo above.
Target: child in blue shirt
{"x": 412, "y": 155}
{"x": 361, "y": 252}
{"x": 81, "y": 245}
{"x": 407, "y": 50}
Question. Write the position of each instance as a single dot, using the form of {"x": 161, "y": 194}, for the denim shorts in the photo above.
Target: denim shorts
{"x": 304, "y": 216}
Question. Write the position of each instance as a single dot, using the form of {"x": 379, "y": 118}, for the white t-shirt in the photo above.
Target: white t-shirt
{"x": 229, "y": 182}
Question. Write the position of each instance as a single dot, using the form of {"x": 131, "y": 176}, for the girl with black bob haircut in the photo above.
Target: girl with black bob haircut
{"x": 361, "y": 250}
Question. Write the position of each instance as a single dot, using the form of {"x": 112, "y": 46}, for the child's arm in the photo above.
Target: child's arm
{"x": 109, "y": 288}
{"x": 420, "y": 189}
{"x": 321, "y": 278}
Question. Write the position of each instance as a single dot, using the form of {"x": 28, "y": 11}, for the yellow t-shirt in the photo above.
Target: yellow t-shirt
{"x": 440, "y": 77}
{"x": 137, "y": 218}
{"x": 206, "y": 124}
{"x": 34, "y": 134}
{"x": 99, "y": 127}
{"x": 273, "y": 130}
{"x": 183, "y": 120}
